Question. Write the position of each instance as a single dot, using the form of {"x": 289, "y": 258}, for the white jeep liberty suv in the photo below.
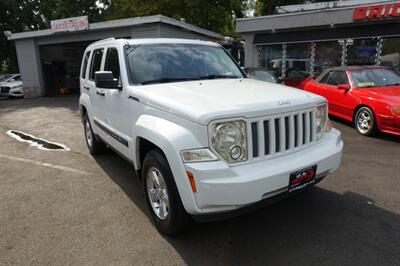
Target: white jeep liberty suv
{"x": 206, "y": 141}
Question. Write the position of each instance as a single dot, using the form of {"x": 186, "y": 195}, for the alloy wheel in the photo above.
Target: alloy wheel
{"x": 157, "y": 193}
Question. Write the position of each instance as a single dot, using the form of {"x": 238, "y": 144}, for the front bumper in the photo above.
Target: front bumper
{"x": 389, "y": 124}
{"x": 223, "y": 188}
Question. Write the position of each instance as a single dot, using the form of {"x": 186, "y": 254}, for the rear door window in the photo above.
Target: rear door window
{"x": 338, "y": 77}
{"x": 84, "y": 64}
{"x": 112, "y": 62}
{"x": 96, "y": 62}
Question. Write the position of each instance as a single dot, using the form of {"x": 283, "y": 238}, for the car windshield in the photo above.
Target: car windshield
{"x": 161, "y": 63}
{"x": 5, "y": 77}
{"x": 262, "y": 75}
{"x": 368, "y": 78}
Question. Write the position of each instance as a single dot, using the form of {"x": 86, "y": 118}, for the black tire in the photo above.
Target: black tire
{"x": 95, "y": 146}
{"x": 177, "y": 218}
{"x": 365, "y": 122}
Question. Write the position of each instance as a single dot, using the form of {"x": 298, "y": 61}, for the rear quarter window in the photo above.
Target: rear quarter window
{"x": 84, "y": 64}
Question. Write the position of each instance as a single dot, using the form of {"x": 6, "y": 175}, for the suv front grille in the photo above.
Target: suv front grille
{"x": 4, "y": 89}
{"x": 277, "y": 135}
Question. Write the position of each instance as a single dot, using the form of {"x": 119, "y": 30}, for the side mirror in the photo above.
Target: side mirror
{"x": 105, "y": 80}
{"x": 345, "y": 87}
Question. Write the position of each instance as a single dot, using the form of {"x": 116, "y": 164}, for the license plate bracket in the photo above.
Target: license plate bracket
{"x": 302, "y": 178}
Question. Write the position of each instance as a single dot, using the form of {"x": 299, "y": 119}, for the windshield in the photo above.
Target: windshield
{"x": 367, "y": 78}
{"x": 262, "y": 75}
{"x": 160, "y": 63}
{"x": 4, "y": 77}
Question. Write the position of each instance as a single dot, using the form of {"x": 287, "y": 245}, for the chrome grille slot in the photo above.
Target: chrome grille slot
{"x": 276, "y": 135}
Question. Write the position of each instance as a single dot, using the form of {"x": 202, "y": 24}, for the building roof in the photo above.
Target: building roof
{"x": 330, "y": 16}
{"x": 111, "y": 24}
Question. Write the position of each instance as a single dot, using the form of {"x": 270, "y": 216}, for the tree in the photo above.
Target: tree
{"x": 27, "y": 15}
{"x": 267, "y": 7}
{"x": 215, "y": 15}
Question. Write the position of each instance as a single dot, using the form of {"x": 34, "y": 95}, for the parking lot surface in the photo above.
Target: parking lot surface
{"x": 66, "y": 207}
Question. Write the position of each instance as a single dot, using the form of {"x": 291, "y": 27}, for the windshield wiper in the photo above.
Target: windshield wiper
{"x": 394, "y": 84}
{"x": 166, "y": 80}
{"x": 213, "y": 76}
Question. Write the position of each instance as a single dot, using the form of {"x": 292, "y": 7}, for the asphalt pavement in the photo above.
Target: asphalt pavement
{"x": 67, "y": 207}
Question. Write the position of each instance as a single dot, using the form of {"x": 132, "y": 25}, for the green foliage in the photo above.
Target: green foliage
{"x": 24, "y": 15}
{"x": 215, "y": 15}
{"x": 267, "y": 7}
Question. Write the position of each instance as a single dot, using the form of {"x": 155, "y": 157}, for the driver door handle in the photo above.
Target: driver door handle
{"x": 101, "y": 93}
{"x": 86, "y": 87}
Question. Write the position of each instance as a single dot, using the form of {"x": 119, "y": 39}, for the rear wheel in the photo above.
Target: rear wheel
{"x": 95, "y": 145}
{"x": 162, "y": 197}
{"x": 365, "y": 122}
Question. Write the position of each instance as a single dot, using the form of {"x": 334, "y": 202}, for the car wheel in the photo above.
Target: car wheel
{"x": 162, "y": 197}
{"x": 365, "y": 122}
{"x": 95, "y": 145}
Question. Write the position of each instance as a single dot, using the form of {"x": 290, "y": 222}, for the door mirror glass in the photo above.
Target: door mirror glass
{"x": 344, "y": 87}
{"x": 105, "y": 80}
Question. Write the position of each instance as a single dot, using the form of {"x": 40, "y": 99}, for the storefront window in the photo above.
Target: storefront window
{"x": 361, "y": 52}
{"x": 391, "y": 53}
{"x": 297, "y": 63}
{"x": 271, "y": 58}
{"x": 327, "y": 54}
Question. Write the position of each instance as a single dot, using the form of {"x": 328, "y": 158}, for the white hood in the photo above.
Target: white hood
{"x": 206, "y": 100}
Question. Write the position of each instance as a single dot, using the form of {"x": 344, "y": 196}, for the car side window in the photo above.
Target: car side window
{"x": 338, "y": 77}
{"x": 85, "y": 63}
{"x": 325, "y": 77}
{"x": 112, "y": 62}
{"x": 96, "y": 62}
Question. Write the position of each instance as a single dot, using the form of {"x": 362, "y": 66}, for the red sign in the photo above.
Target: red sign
{"x": 376, "y": 12}
{"x": 70, "y": 24}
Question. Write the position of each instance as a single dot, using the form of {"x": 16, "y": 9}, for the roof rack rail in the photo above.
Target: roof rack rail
{"x": 108, "y": 39}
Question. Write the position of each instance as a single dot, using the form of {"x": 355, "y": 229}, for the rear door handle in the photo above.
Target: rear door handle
{"x": 86, "y": 87}
{"x": 100, "y": 93}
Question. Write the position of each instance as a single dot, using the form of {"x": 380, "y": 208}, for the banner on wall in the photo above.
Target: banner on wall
{"x": 70, "y": 24}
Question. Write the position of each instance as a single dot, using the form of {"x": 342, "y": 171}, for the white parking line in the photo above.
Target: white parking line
{"x": 49, "y": 165}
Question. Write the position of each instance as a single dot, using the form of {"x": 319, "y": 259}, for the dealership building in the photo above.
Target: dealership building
{"x": 300, "y": 40}
{"x": 49, "y": 60}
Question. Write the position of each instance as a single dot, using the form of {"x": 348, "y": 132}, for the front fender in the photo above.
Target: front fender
{"x": 171, "y": 138}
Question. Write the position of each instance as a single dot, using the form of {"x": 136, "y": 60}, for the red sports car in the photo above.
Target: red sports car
{"x": 369, "y": 96}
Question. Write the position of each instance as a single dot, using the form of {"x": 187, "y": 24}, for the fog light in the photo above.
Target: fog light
{"x": 236, "y": 152}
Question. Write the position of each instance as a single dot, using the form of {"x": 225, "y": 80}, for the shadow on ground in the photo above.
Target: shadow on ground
{"x": 315, "y": 227}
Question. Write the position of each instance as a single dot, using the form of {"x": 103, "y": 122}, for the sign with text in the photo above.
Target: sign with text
{"x": 376, "y": 12}
{"x": 70, "y": 24}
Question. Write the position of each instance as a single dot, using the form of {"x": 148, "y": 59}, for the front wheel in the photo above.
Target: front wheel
{"x": 365, "y": 122}
{"x": 162, "y": 197}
